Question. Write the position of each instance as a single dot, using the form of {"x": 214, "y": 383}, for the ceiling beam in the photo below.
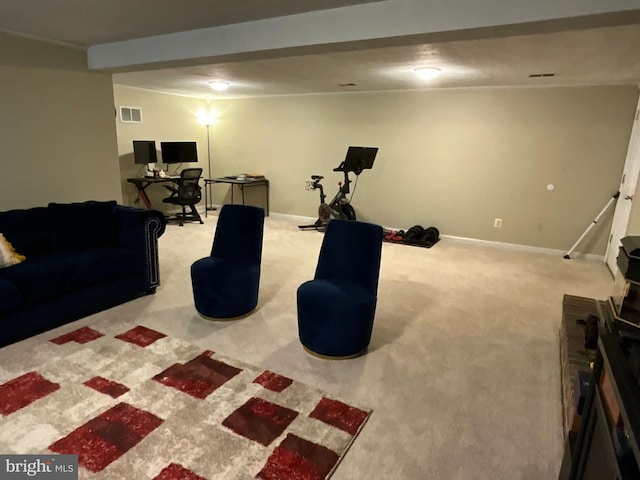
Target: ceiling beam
{"x": 371, "y": 22}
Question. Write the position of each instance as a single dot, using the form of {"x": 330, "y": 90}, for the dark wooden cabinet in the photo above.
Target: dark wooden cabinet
{"x": 606, "y": 447}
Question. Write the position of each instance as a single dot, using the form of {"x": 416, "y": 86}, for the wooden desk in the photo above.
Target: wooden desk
{"x": 142, "y": 183}
{"x": 248, "y": 182}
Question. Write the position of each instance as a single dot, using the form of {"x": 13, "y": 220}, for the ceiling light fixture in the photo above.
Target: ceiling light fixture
{"x": 219, "y": 86}
{"x": 427, "y": 73}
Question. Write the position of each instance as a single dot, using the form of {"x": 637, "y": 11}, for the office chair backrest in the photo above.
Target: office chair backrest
{"x": 351, "y": 251}
{"x": 188, "y": 186}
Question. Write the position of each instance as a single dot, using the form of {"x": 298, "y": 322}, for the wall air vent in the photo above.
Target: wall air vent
{"x": 130, "y": 115}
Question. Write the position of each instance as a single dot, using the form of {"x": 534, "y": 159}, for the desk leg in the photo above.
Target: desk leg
{"x": 242, "y": 191}
{"x": 208, "y": 198}
{"x": 145, "y": 199}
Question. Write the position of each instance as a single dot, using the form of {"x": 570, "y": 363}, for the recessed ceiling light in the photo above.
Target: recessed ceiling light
{"x": 427, "y": 73}
{"x": 219, "y": 86}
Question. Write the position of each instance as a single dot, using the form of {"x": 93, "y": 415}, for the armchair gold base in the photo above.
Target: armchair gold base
{"x": 221, "y": 320}
{"x": 331, "y": 357}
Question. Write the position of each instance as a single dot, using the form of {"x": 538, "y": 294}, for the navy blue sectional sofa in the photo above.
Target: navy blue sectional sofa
{"x": 81, "y": 258}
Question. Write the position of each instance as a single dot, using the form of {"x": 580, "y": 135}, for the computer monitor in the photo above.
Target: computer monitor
{"x": 178, "y": 152}
{"x": 144, "y": 152}
{"x": 358, "y": 159}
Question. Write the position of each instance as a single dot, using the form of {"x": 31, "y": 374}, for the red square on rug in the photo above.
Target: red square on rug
{"x": 260, "y": 420}
{"x": 174, "y": 471}
{"x": 81, "y": 335}
{"x": 339, "y": 415}
{"x": 198, "y": 377}
{"x": 23, "y": 391}
{"x": 141, "y": 336}
{"x": 108, "y": 387}
{"x": 107, "y": 437}
{"x": 273, "y": 381}
{"x": 299, "y": 459}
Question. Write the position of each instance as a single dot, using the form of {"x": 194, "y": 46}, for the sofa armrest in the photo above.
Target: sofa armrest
{"x": 139, "y": 230}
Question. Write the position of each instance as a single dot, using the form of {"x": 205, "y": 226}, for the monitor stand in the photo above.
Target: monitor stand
{"x": 151, "y": 170}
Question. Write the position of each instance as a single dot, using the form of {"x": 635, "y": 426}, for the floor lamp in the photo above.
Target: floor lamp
{"x": 208, "y": 149}
{"x": 207, "y": 185}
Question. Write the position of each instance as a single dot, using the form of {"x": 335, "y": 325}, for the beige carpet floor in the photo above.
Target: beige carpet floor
{"x": 462, "y": 373}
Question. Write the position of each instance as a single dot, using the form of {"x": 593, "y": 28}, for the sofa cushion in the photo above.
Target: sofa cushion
{"x": 10, "y": 298}
{"x": 29, "y": 231}
{"x": 40, "y": 278}
{"x": 83, "y": 225}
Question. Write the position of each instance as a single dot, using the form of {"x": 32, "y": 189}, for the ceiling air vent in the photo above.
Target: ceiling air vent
{"x": 541, "y": 75}
{"x": 130, "y": 115}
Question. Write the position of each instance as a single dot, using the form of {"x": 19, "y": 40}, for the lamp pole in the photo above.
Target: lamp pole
{"x": 207, "y": 185}
{"x": 208, "y": 150}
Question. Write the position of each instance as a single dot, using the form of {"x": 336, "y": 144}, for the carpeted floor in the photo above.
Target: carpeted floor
{"x": 462, "y": 371}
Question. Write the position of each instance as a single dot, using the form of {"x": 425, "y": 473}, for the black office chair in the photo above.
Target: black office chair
{"x": 187, "y": 194}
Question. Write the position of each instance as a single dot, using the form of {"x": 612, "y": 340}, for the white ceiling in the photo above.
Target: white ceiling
{"x": 603, "y": 56}
{"x": 576, "y": 55}
{"x": 90, "y": 22}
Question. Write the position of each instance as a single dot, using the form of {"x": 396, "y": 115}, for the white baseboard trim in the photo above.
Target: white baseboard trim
{"x": 293, "y": 218}
{"x": 488, "y": 243}
{"x": 525, "y": 248}
{"x": 298, "y": 219}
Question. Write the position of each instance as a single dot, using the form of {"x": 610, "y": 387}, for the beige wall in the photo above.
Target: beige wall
{"x": 57, "y": 130}
{"x": 455, "y": 159}
{"x": 164, "y": 118}
{"x": 17, "y": 51}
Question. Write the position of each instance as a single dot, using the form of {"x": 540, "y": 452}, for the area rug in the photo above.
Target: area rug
{"x": 134, "y": 403}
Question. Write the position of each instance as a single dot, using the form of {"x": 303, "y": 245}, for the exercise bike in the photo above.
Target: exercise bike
{"x": 357, "y": 160}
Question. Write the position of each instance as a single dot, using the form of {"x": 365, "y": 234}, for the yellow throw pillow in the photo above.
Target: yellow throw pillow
{"x": 8, "y": 255}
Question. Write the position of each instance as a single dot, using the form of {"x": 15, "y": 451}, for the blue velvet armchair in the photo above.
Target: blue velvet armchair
{"x": 336, "y": 309}
{"x": 226, "y": 284}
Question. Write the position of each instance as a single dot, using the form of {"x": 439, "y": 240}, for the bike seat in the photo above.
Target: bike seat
{"x": 316, "y": 177}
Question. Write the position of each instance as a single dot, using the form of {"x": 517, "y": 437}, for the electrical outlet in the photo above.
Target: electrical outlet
{"x": 497, "y": 223}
